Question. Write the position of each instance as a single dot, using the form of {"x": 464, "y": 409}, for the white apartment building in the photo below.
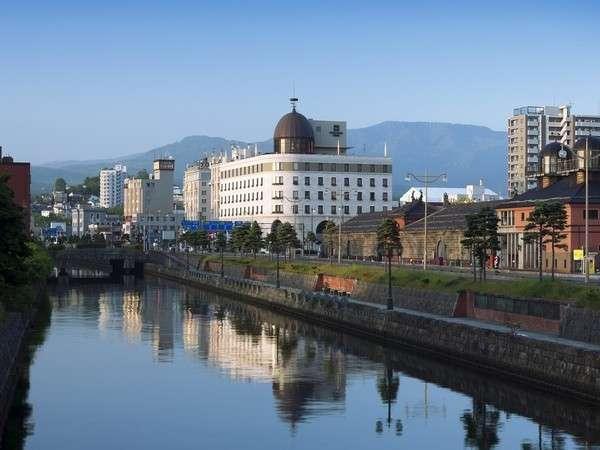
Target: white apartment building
{"x": 308, "y": 180}
{"x": 112, "y": 182}
{"x": 530, "y": 128}
{"x": 151, "y": 196}
{"x": 197, "y": 191}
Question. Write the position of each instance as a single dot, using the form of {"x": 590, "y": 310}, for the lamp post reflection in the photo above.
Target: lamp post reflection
{"x": 387, "y": 386}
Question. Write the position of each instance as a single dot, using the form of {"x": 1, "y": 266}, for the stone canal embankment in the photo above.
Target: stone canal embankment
{"x": 545, "y": 361}
{"x": 13, "y": 329}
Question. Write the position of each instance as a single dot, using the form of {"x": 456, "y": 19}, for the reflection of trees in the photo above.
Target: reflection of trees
{"x": 245, "y": 324}
{"x": 481, "y": 426}
{"x": 17, "y": 428}
{"x": 548, "y": 439}
{"x": 388, "y": 386}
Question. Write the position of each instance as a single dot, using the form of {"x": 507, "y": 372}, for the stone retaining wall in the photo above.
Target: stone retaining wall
{"x": 535, "y": 315}
{"x": 572, "y": 370}
{"x": 12, "y": 331}
{"x": 580, "y": 324}
{"x": 415, "y": 299}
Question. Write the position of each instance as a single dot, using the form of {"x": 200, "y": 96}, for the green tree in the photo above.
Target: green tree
{"x": 311, "y": 238}
{"x": 117, "y": 210}
{"x": 537, "y": 230}
{"x": 254, "y": 241}
{"x": 60, "y": 185}
{"x": 275, "y": 246}
{"x": 220, "y": 244}
{"x": 471, "y": 240}
{"x": 287, "y": 237}
{"x": 556, "y": 222}
{"x": 388, "y": 242}
{"x": 143, "y": 174}
{"x": 202, "y": 239}
{"x": 330, "y": 236}
{"x": 238, "y": 238}
{"x": 38, "y": 262}
{"x": 13, "y": 239}
{"x": 481, "y": 236}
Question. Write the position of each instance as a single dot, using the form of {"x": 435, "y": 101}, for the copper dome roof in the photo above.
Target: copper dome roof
{"x": 293, "y": 125}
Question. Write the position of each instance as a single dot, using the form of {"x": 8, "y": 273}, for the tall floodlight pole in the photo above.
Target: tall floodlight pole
{"x": 426, "y": 180}
{"x": 341, "y": 220}
{"x": 587, "y": 211}
{"x": 586, "y": 161}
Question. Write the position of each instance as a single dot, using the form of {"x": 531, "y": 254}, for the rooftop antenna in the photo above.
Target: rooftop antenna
{"x": 293, "y": 101}
{"x": 385, "y": 149}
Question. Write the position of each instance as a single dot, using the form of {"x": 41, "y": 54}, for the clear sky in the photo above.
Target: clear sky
{"x": 84, "y": 79}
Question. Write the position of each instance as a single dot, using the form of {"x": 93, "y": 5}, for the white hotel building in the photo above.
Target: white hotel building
{"x": 309, "y": 178}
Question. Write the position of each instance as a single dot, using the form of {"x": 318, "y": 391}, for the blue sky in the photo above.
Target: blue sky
{"x": 82, "y": 80}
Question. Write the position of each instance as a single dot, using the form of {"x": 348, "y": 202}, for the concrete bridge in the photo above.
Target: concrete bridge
{"x": 114, "y": 261}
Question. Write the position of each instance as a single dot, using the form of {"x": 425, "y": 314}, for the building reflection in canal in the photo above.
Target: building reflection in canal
{"x": 310, "y": 368}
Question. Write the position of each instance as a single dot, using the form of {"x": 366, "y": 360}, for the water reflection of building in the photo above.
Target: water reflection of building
{"x": 132, "y": 317}
{"x": 311, "y": 380}
{"x": 160, "y": 314}
{"x": 242, "y": 356}
{"x": 109, "y": 304}
{"x": 308, "y": 377}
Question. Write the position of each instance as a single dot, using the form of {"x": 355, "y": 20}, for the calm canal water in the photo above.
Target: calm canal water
{"x": 161, "y": 366}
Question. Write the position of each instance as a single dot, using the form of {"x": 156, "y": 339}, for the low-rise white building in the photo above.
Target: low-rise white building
{"x": 470, "y": 193}
{"x": 154, "y": 228}
{"x": 90, "y": 220}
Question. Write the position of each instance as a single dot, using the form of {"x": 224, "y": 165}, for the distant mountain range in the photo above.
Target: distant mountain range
{"x": 466, "y": 153}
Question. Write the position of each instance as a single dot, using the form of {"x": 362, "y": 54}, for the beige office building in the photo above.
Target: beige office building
{"x": 151, "y": 196}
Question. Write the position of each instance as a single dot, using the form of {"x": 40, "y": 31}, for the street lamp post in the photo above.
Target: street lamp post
{"x": 426, "y": 180}
{"x": 294, "y": 202}
{"x": 339, "y": 210}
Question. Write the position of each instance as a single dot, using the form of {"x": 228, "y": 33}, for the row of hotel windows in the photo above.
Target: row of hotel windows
{"x": 278, "y": 209}
{"x": 333, "y": 181}
{"x": 278, "y": 180}
{"x": 242, "y": 184}
{"x": 308, "y": 166}
{"x": 278, "y": 195}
